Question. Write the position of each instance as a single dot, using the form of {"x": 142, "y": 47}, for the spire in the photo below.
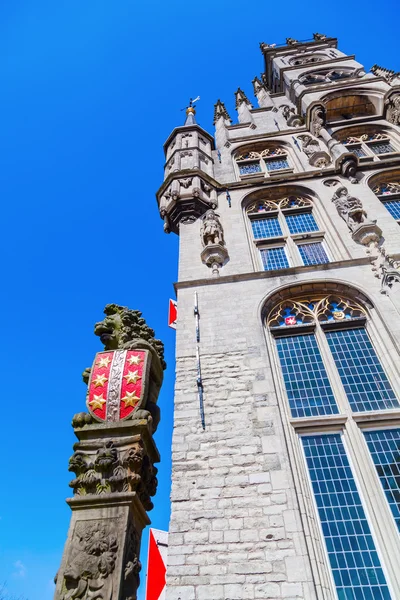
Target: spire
{"x": 262, "y": 93}
{"x": 241, "y": 98}
{"x": 191, "y": 112}
{"x": 258, "y": 85}
{"x": 220, "y": 111}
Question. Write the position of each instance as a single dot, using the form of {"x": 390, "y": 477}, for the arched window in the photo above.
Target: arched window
{"x": 386, "y": 186}
{"x": 372, "y": 144}
{"x": 286, "y": 232}
{"x": 338, "y": 391}
{"x": 263, "y": 161}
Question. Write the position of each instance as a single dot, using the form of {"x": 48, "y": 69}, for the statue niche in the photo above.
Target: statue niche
{"x": 352, "y": 212}
{"x": 312, "y": 149}
{"x": 214, "y": 253}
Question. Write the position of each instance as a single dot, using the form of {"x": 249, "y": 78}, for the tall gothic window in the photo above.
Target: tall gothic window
{"x": 330, "y": 369}
{"x": 265, "y": 162}
{"x": 286, "y": 233}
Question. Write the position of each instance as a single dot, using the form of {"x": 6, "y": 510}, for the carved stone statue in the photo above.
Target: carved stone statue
{"x": 317, "y": 120}
{"x": 292, "y": 118}
{"x": 393, "y": 111}
{"x": 211, "y": 230}
{"x": 352, "y": 211}
{"x": 212, "y": 237}
{"x": 349, "y": 208}
{"x": 312, "y": 149}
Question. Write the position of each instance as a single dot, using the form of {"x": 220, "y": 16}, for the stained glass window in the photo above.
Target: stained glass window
{"x": 313, "y": 254}
{"x": 355, "y": 564}
{"x": 301, "y": 223}
{"x": 385, "y": 451}
{"x": 364, "y": 380}
{"x": 306, "y": 381}
{"x": 274, "y": 258}
{"x": 265, "y": 228}
{"x": 249, "y": 168}
{"x": 393, "y": 207}
{"x": 382, "y": 148}
{"x": 276, "y": 164}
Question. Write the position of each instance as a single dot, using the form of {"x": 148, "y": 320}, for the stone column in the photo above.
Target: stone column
{"x": 113, "y": 462}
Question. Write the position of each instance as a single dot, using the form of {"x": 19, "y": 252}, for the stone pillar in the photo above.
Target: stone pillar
{"x": 113, "y": 462}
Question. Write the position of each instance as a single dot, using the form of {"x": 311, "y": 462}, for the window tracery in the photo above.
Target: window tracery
{"x": 370, "y": 144}
{"x": 326, "y": 76}
{"x": 265, "y": 161}
{"x": 278, "y": 225}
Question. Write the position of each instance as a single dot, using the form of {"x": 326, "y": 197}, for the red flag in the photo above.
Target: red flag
{"x": 172, "y": 314}
{"x": 156, "y": 565}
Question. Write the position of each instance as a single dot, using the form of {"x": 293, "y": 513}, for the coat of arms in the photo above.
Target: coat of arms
{"x": 117, "y": 384}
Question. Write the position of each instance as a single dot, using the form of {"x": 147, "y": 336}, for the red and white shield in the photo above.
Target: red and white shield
{"x": 117, "y": 384}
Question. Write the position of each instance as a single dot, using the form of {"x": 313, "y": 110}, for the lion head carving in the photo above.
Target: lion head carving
{"x": 122, "y": 327}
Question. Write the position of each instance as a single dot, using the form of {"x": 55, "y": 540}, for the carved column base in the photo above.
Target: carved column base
{"x": 214, "y": 256}
{"x": 115, "y": 478}
{"x": 366, "y": 233}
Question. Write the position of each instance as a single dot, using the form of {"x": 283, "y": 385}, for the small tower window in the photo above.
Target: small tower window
{"x": 280, "y": 229}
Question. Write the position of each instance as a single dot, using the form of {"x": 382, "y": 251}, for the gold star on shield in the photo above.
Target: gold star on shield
{"x": 132, "y": 377}
{"x": 130, "y": 399}
{"x": 97, "y": 402}
{"x": 103, "y": 362}
{"x": 99, "y": 380}
{"x": 134, "y": 360}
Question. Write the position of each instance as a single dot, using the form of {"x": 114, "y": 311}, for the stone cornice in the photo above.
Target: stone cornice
{"x": 255, "y": 275}
{"x": 188, "y": 173}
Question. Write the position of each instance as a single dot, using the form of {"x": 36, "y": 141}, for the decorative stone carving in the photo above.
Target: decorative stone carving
{"x": 317, "y": 120}
{"x": 385, "y": 267}
{"x": 92, "y": 555}
{"x": 186, "y": 182}
{"x": 352, "y": 212}
{"x": 387, "y": 74}
{"x": 312, "y": 149}
{"x": 393, "y": 109}
{"x": 319, "y": 37}
{"x": 220, "y": 111}
{"x": 292, "y": 118}
{"x": 214, "y": 254}
{"x": 291, "y": 41}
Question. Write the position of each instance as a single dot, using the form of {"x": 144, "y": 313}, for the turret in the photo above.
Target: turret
{"x": 189, "y": 187}
{"x": 243, "y": 106}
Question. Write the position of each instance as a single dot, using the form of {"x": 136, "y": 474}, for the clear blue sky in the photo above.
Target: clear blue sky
{"x": 90, "y": 91}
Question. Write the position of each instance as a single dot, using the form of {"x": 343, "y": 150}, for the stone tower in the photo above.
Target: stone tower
{"x": 286, "y": 445}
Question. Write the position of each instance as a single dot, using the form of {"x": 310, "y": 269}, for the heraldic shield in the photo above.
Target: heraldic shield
{"x": 117, "y": 384}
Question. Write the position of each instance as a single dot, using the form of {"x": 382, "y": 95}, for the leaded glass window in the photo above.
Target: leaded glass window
{"x": 313, "y": 254}
{"x": 355, "y": 564}
{"x": 384, "y": 447}
{"x": 277, "y": 164}
{"x": 265, "y": 228}
{"x": 394, "y": 208}
{"x": 274, "y": 258}
{"x": 388, "y": 193}
{"x": 301, "y": 223}
{"x": 258, "y": 160}
{"x": 249, "y": 168}
{"x": 364, "y": 380}
{"x": 307, "y": 385}
{"x": 382, "y": 148}
{"x": 286, "y": 217}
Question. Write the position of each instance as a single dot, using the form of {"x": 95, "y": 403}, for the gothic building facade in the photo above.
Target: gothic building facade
{"x": 286, "y": 444}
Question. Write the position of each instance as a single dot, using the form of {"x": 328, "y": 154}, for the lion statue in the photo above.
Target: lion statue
{"x": 125, "y": 329}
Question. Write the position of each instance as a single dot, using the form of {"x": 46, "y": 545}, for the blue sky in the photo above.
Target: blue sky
{"x": 90, "y": 91}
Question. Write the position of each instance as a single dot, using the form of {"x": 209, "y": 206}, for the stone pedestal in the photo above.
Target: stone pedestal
{"x": 115, "y": 478}
{"x": 366, "y": 233}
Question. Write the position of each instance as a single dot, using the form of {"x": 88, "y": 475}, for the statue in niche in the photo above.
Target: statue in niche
{"x": 317, "y": 120}
{"x": 211, "y": 230}
{"x": 349, "y": 208}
